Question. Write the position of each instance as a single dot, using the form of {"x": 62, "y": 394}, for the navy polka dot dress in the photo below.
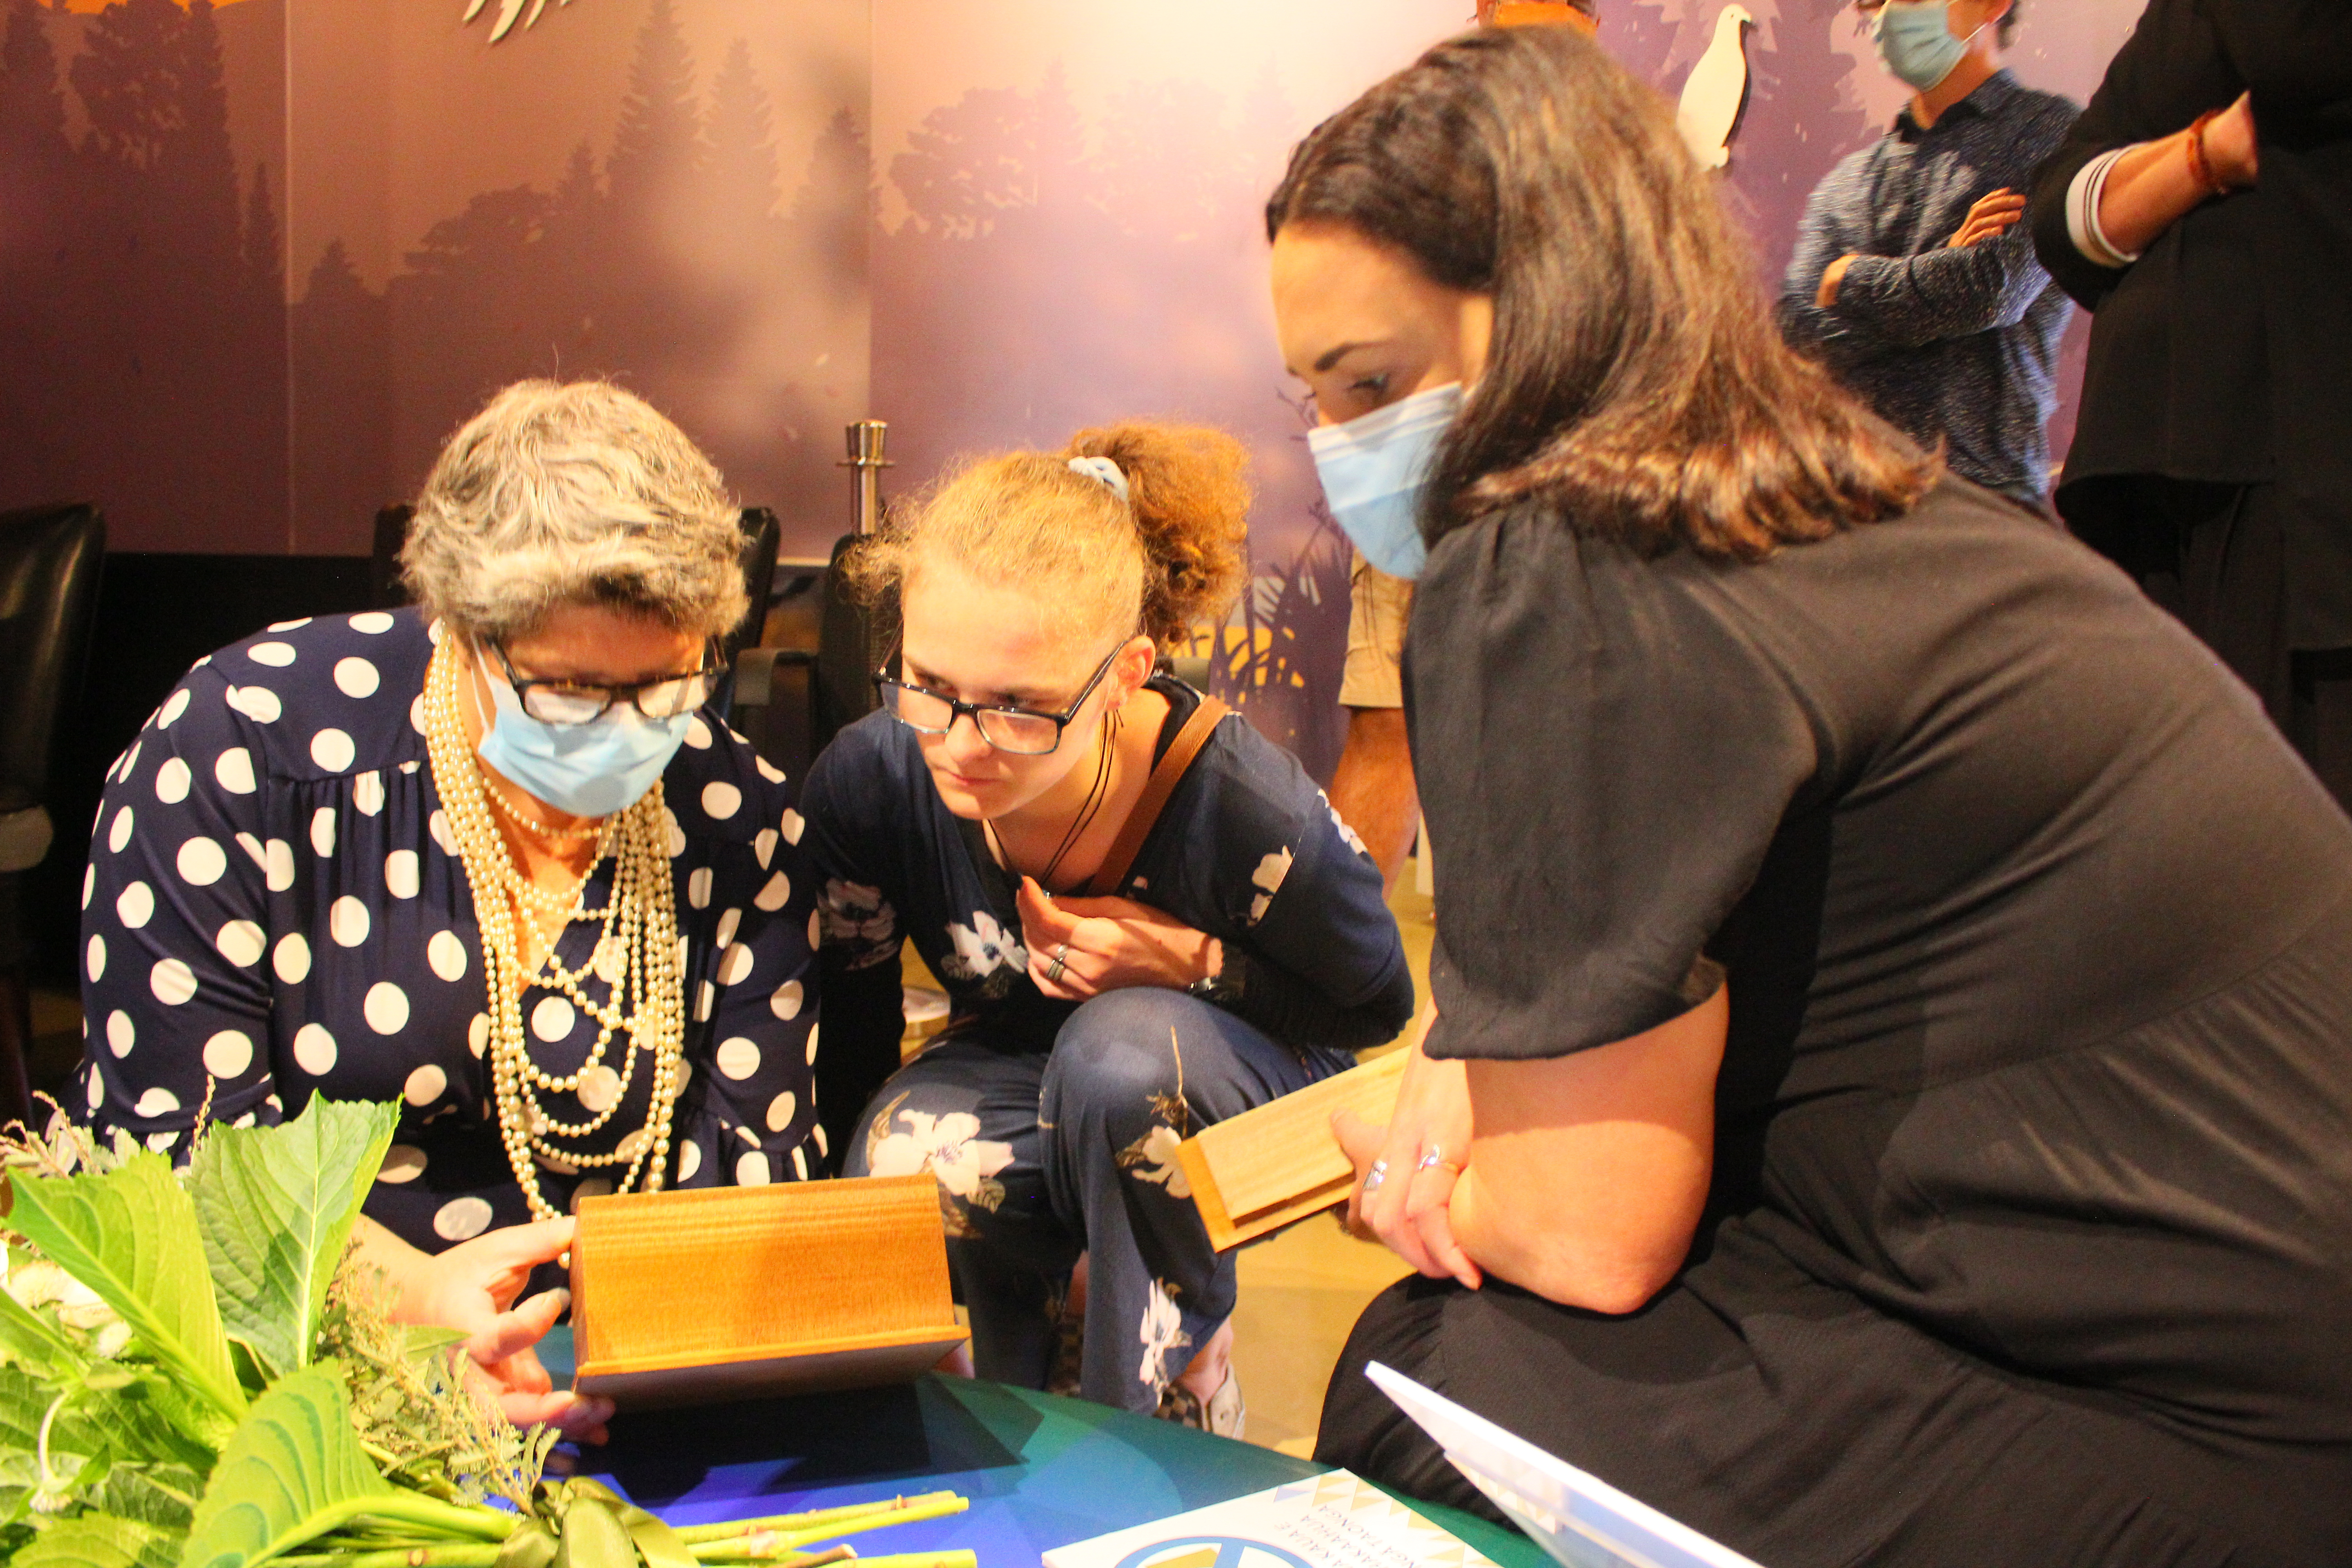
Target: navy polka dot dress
{"x": 274, "y": 905}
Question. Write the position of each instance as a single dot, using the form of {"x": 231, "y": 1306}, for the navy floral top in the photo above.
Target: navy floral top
{"x": 1246, "y": 849}
{"x": 274, "y": 904}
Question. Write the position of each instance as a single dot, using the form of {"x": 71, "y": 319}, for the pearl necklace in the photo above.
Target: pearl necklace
{"x": 639, "y": 955}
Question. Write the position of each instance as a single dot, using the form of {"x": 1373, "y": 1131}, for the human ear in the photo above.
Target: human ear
{"x": 1136, "y": 661}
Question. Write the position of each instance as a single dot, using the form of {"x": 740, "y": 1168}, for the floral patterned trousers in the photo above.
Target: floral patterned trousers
{"x": 1041, "y": 1156}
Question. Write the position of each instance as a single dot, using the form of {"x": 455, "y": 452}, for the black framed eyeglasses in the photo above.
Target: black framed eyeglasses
{"x": 1022, "y": 731}
{"x": 578, "y": 702}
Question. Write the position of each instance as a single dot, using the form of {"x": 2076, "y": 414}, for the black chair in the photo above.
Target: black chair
{"x": 50, "y": 558}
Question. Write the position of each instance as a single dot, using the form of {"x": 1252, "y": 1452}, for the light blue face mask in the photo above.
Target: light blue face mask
{"x": 589, "y": 770}
{"x": 1914, "y": 39}
{"x": 1374, "y": 468}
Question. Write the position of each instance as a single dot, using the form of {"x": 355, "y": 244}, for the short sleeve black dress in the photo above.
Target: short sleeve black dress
{"x": 2030, "y": 1233}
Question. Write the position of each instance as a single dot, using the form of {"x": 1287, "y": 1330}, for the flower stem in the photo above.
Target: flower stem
{"x": 897, "y": 1509}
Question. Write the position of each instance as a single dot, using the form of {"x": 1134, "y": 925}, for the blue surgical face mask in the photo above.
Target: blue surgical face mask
{"x": 1374, "y": 468}
{"x": 589, "y": 770}
{"x": 1914, "y": 39}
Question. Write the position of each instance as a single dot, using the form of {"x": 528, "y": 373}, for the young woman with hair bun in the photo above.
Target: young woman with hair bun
{"x": 1128, "y": 960}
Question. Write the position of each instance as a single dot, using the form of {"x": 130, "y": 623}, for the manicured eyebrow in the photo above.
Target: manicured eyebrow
{"x": 1335, "y": 355}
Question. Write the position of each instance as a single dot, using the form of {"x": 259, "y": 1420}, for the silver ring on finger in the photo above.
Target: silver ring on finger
{"x": 1436, "y": 1159}
{"x": 1375, "y": 1176}
{"x": 1061, "y": 961}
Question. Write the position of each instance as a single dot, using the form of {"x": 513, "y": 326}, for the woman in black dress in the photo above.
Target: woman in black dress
{"x": 1890, "y": 1097}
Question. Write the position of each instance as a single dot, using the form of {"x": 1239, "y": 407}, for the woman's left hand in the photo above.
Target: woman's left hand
{"x": 1083, "y": 947}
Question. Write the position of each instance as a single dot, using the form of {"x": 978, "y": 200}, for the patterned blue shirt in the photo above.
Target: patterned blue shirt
{"x": 1960, "y": 345}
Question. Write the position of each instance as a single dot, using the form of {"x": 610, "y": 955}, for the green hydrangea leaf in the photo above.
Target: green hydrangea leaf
{"x": 100, "y": 1540}
{"x": 131, "y": 1236}
{"x": 293, "y": 1470}
{"x": 277, "y": 1204}
{"x": 162, "y": 1496}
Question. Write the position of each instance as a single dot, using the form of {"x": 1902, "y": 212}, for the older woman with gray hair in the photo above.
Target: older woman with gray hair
{"x": 483, "y": 856}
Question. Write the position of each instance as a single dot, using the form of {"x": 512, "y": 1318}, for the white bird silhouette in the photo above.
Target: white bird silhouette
{"x": 509, "y": 10}
{"x": 1716, "y": 91}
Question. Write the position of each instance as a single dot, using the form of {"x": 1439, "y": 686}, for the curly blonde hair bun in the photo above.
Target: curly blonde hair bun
{"x": 1171, "y": 556}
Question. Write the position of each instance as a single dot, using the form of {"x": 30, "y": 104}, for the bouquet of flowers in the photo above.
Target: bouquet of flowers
{"x": 194, "y": 1371}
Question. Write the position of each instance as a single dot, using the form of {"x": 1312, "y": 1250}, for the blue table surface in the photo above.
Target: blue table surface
{"x": 1040, "y": 1471}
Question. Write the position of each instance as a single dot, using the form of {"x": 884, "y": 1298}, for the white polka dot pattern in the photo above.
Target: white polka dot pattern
{"x": 386, "y": 1008}
{"x": 355, "y": 677}
{"x": 314, "y": 1051}
{"x": 333, "y": 751}
{"x": 242, "y": 943}
{"x": 233, "y": 769}
{"x": 446, "y": 955}
{"x": 172, "y": 982}
{"x": 462, "y": 1219}
{"x": 313, "y": 770}
{"x": 201, "y": 862}
{"x": 228, "y": 1054}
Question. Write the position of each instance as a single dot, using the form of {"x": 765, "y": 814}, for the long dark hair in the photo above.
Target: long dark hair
{"x": 1635, "y": 380}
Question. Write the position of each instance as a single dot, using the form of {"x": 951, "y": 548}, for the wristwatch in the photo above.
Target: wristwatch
{"x": 1224, "y": 987}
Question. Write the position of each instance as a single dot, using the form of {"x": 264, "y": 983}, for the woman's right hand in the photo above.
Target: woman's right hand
{"x": 471, "y": 1287}
{"x": 1407, "y": 1209}
{"x": 2229, "y": 144}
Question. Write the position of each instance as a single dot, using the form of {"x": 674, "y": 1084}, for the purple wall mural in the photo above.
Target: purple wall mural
{"x": 258, "y": 256}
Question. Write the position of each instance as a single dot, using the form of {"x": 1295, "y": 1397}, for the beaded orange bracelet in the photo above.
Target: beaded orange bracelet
{"x": 2200, "y": 168}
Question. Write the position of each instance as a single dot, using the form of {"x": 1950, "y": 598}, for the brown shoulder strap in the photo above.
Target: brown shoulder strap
{"x": 1121, "y": 858}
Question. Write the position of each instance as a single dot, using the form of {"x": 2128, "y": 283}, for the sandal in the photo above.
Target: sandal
{"x": 1223, "y": 1414}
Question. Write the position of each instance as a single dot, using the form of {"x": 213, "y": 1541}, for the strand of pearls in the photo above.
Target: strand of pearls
{"x": 638, "y": 957}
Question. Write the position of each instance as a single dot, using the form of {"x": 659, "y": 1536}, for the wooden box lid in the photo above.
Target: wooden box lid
{"x": 725, "y": 1292}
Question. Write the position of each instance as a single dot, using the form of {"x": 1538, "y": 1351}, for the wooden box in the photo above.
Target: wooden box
{"x": 1255, "y": 1172}
{"x": 725, "y": 1292}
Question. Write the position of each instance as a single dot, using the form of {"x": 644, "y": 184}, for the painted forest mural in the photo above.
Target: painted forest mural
{"x": 258, "y": 256}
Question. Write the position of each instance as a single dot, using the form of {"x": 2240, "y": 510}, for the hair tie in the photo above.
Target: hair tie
{"x": 1106, "y": 473}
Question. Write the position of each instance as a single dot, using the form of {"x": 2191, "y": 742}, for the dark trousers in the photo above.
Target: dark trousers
{"x": 2216, "y": 557}
{"x": 1043, "y": 1155}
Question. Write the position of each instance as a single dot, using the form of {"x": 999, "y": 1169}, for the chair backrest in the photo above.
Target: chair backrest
{"x": 383, "y": 560}
{"x": 50, "y": 559}
{"x": 855, "y": 641}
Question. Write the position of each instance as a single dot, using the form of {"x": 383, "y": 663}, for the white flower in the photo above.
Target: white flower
{"x": 1152, "y": 1158}
{"x": 1268, "y": 879}
{"x": 1345, "y": 832}
{"x": 854, "y": 912}
{"x": 982, "y": 948}
{"x": 1162, "y": 1331}
{"x": 950, "y": 1148}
